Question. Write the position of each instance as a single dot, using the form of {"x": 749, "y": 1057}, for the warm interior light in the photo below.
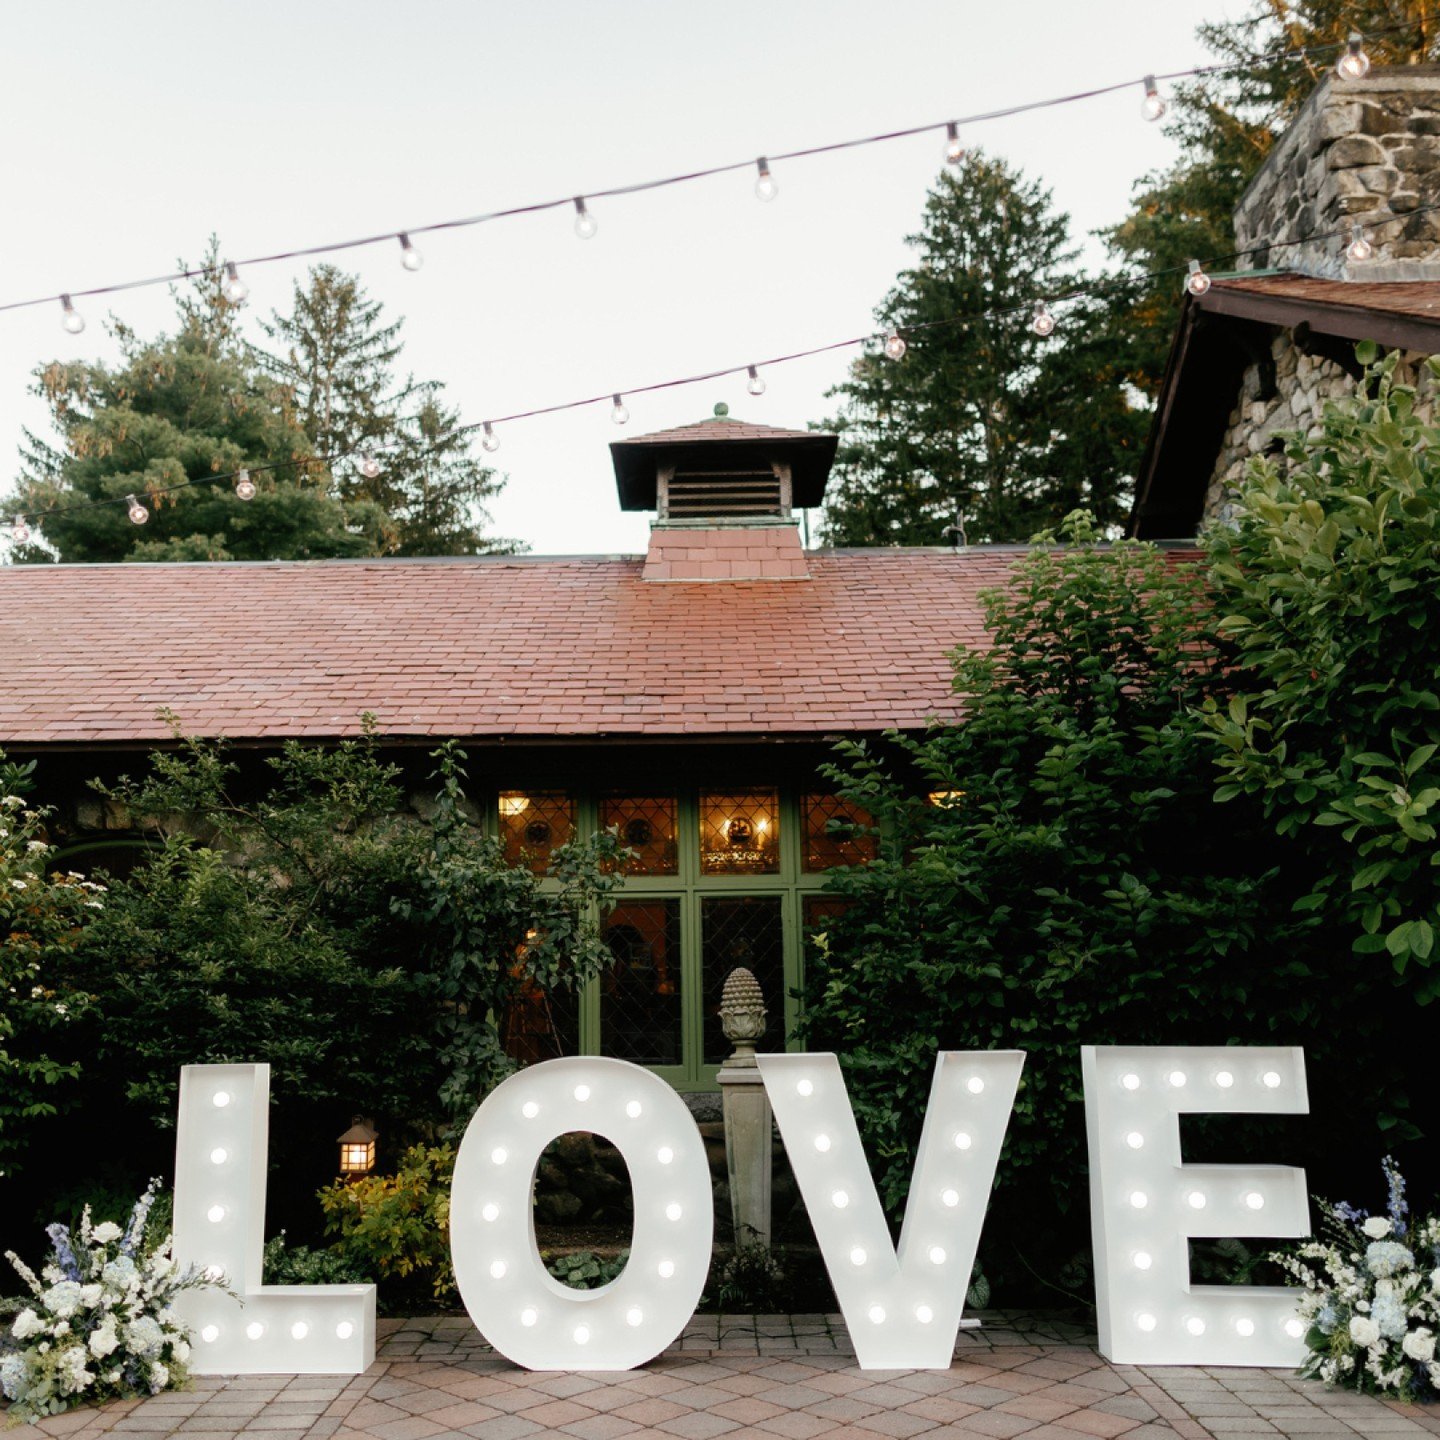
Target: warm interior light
{"x": 945, "y": 799}
{"x": 513, "y": 805}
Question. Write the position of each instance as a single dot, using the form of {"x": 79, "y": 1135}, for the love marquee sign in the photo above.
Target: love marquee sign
{"x": 901, "y": 1303}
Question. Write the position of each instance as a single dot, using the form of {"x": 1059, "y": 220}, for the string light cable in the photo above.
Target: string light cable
{"x": 1039, "y": 310}
{"x": 1352, "y": 62}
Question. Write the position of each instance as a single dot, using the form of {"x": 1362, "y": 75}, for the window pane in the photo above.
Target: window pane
{"x": 646, "y": 827}
{"x": 744, "y": 931}
{"x": 640, "y": 994}
{"x": 540, "y": 1027}
{"x": 825, "y": 846}
{"x": 534, "y": 824}
{"x": 740, "y": 833}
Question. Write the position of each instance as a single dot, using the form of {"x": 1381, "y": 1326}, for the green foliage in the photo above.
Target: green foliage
{"x": 982, "y": 424}
{"x": 287, "y": 1264}
{"x": 585, "y": 1270}
{"x": 1328, "y": 586}
{"x": 42, "y": 916}
{"x": 396, "y": 1228}
{"x": 336, "y": 358}
{"x": 1080, "y": 888}
{"x": 749, "y": 1280}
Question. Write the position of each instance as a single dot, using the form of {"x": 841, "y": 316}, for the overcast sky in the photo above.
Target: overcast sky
{"x": 134, "y": 131}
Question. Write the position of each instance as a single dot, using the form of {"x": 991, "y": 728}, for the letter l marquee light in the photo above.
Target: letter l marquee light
{"x": 221, "y": 1145}
{"x": 1145, "y": 1206}
{"x": 902, "y": 1306}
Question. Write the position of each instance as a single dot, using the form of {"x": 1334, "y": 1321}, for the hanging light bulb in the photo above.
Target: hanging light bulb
{"x": 410, "y": 257}
{"x": 19, "y": 531}
{"x": 489, "y": 440}
{"x": 1354, "y": 64}
{"x": 954, "y": 150}
{"x": 895, "y": 346}
{"x": 1042, "y": 322}
{"x": 137, "y": 512}
{"x": 70, "y": 317}
{"x": 1359, "y": 247}
{"x": 234, "y": 288}
{"x": 618, "y": 413}
{"x": 1152, "y": 107}
{"x": 765, "y": 186}
{"x": 585, "y": 226}
{"x": 244, "y": 485}
{"x": 1197, "y": 282}
{"x": 369, "y": 465}
{"x": 756, "y": 383}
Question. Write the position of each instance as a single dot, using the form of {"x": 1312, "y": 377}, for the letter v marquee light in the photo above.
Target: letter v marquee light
{"x": 901, "y": 1305}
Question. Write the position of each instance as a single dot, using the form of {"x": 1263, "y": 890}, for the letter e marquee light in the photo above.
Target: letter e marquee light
{"x": 901, "y": 1305}
{"x": 221, "y": 1145}
{"x": 1145, "y": 1206}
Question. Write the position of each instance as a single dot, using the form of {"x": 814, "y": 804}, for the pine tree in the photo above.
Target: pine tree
{"x": 181, "y": 407}
{"x": 337, "y": 355}
{"x": 984, "y": 431}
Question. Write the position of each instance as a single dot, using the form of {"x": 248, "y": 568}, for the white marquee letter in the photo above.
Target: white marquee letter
{"x": 519, "y": 1307}
{"x": 221, "y": 1144}
{"x": 902, "y": 1308}
{"x": 1145, "y": 1205}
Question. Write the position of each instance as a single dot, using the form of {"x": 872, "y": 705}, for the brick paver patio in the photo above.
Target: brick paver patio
{"x": 773, "y": 1377}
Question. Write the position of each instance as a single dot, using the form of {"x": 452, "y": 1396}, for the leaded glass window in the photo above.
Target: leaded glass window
{"x": 742, "y": 930}
{"x": 828, "y": 825}
{"x": 533, "y": 824}
{"x": 646, "y": 826}
{"x": 640, "y": 1014}
{"x": 740, "y": 833}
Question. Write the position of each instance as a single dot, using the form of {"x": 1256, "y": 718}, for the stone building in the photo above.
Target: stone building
{"x": 1261, "y": 351}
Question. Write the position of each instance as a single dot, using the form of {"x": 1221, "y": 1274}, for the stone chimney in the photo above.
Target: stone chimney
{"x": 724, "y": 493}
{"x": 1357, "y": 149}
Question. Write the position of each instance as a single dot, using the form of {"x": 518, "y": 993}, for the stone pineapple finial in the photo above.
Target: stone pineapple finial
{"x": 742, "y": 1013}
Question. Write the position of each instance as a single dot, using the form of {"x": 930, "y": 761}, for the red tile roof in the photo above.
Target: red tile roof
{"x": 487, "y": 647}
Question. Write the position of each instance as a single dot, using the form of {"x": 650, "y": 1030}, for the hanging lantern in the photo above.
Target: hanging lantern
{"x": 357, "y": 1148}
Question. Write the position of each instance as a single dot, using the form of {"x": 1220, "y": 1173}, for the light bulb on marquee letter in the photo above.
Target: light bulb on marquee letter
{"x": 901, "y": 1305}
{"x": 1149, "y": 1312}
{"x": 520, "y": 1308}
{"x": 221, "y": 1142}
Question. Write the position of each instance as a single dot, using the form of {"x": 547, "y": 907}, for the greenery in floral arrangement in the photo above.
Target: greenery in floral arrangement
{"x": 1371, "y": 1299}
{"x": 99, "y": 1325}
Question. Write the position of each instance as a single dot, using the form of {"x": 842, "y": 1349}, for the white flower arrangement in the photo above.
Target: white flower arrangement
{"x": 1371, "y": 1301}
{"x": 99, "y": 1325}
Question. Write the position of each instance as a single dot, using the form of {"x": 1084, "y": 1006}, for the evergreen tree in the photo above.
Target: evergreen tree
{"x": 983, "y": 426}
{"x": 337, "y": 356}
{"x": 179, "y": 408}
{"x": 1227, "y": 124}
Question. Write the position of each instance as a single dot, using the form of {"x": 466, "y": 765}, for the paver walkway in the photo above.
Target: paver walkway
{"x": 776, "y": 1378}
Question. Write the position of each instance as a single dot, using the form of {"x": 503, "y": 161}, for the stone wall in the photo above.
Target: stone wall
{"x": 1357, "y": 149}
{"x": 1302, "y": 386}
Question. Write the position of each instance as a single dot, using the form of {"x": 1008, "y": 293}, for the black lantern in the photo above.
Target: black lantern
{"x": 357, "y": 1148}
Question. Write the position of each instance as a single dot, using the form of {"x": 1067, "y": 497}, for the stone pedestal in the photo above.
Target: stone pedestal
{"x": 746, "y": 1109}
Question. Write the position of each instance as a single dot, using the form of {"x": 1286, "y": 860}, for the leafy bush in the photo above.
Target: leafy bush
{"x": 1075, "y": 883}
{"x": 585, "y": 1270}
{"x": 287, "y": 1264}
{"x": 1329, "y": 586}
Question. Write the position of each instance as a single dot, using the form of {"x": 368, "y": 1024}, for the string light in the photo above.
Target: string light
{"x": 70, "y": 317}
{"x": 244, "y": 486}
{"x": 489, "y": 440}
{"x": 136, "y": 511}
{"x": 756, "y": 383}
{"x": 895, "y": 346}
{"x": 618, "y": 412}
{"x": 234, "y": 288}
{"x": 369, "y": 465}
{"x": 1354, "y": 64}
{"x": 410, "y": 257}
{"x": 765, "y": 186}
{"x": 1359, "y": 247}
{"x": 954, "y": 150}
{"x": 19, "y": 531}
{"x": 1197, "y": 282}
{"x": 1152, "y": 107}
{"x": 585, "y": 226}
{"x": 1042, "y": 322}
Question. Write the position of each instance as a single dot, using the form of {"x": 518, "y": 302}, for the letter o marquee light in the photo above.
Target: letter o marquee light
{"x": 519, "y": 1307}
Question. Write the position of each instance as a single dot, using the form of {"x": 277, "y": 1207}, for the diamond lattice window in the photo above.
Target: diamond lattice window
{"x": 640, "y": 993}
{"x": 740, "y": 833}
{"x": 533, "y": 824}
{"x": 746, "y": 931}
{"x": 828, "y": 824}
{"x": 646, "y": 826}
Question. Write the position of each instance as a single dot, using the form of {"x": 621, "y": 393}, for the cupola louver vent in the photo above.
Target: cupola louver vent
{"x": 706, "y": 494}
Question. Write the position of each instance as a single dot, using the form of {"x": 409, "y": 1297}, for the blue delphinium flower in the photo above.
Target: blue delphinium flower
{"x": 1384, "y": 1258}
{"x": 1349, "y": 1214}
{"x": 64, "y": 1255}
{"x": 1399, "y": 1207}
